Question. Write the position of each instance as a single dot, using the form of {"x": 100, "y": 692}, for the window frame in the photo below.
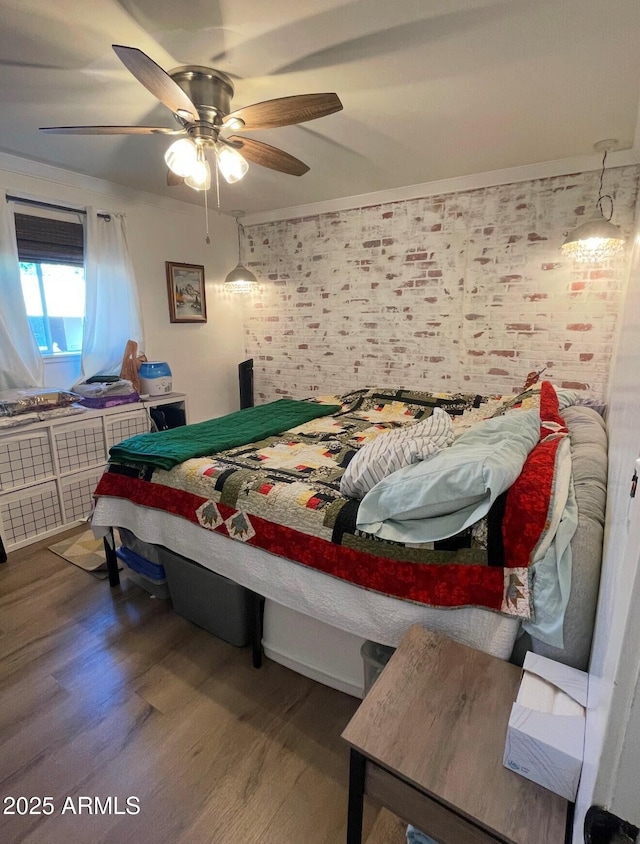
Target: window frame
{"x": 66, "y": 243}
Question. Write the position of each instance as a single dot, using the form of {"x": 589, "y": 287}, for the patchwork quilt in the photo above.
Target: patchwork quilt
{"x": 282, "y": 494}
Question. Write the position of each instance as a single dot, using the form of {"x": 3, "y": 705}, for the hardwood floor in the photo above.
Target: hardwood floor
{"x": 109, "y": 693}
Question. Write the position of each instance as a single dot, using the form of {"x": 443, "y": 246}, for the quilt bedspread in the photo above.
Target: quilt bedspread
{"x": 282, "y": 494}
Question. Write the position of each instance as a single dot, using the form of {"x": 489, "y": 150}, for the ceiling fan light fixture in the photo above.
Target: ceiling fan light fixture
{"x": 203, "y": 124}
{"x": 182, "y": 156}
{"x": 200, "y": 176}
{"x": 231, "y": 164}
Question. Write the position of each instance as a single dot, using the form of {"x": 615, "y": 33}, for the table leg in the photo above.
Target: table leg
{"x": 568, "y": 831}
{"x": 357, "y": 767}
{"x": 3, "y": 553}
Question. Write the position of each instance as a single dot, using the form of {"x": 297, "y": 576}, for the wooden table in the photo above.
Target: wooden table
{"x": 427, "y": 743}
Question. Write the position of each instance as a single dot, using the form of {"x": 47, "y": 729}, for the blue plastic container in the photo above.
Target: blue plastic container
{"x": 155, "y": 378}
{"x": 153, "y": 571}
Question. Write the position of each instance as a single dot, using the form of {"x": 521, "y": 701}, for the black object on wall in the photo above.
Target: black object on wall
{"x": 245, "y": 381}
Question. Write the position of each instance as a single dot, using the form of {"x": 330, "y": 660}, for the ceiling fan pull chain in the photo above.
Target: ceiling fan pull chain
{"x": 218, "y": 188}
{"x": 206, "y": 216}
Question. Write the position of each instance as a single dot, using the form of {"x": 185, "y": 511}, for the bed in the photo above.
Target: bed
{"x": 509, "y": 565}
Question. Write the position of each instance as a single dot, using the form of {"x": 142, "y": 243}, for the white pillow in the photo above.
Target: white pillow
{"x": 395, "y": 449}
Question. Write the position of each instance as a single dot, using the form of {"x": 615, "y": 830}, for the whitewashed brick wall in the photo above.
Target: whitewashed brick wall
{"x": 464, "y": 291}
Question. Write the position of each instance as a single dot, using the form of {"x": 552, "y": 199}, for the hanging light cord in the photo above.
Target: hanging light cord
{"x": 601, "y": 195}
{"x": 240, "y": 230}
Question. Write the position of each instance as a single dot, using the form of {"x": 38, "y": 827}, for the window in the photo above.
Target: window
{"x": 51, "y": 254}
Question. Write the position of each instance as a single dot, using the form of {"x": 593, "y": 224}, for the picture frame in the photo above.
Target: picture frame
{"x": 185, "y": 287}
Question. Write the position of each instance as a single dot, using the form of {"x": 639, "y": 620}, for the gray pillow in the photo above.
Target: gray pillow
{"x": 589, "y": 454}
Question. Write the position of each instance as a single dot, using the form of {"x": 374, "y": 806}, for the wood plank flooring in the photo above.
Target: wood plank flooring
{"x": 110, "y": 694}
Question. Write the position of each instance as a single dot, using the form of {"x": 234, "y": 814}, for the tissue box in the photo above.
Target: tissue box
{"x": 545, "y": 736}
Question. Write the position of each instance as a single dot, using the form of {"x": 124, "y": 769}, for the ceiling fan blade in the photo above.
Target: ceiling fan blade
{"x": 173, "y": 179}
{"x": 268, "y": 156}
{"x": 286, "y": 111}
{"x": 109, "y": 130}
{"x": 156, "y": 80}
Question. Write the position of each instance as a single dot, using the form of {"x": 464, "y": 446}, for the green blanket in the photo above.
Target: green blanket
{"x": 165, "y": 449}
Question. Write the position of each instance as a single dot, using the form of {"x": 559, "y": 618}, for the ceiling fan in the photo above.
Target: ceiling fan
{"x": 200, "y": 99}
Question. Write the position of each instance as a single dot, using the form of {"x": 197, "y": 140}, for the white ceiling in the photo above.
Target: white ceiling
{"x": 432, "y": 89}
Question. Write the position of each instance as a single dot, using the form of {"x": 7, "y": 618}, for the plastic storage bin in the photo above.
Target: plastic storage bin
{"x": 143, "y": 549}
{"x": 149, "y": 576}
{"x": 209, "y": 600}
{"x": 374, "y": 659}
{"x": 414, "y": 836}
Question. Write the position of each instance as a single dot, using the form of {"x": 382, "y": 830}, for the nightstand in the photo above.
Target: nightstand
{"x": 427, "y": 743}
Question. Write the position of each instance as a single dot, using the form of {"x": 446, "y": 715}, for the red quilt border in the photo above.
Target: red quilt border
{"x": 445, "y": 586}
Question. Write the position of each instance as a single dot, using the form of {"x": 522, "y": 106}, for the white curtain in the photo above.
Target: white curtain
{"x": 112, "y": 312}
{"x": 21, "y": 363}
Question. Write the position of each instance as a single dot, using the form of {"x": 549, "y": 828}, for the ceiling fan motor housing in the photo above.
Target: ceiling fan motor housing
{"x": 209, "y": 90}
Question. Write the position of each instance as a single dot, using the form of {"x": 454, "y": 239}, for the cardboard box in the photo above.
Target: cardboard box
{"x": 545, "y": 736}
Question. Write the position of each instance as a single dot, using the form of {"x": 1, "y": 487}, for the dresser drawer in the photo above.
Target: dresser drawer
{"x": 79, "y": 444}
{"x": 29, "y": 512}
{"x": 25, "y": 458}
{"x": 77, "y": 494}
{"x": 121, "y": 426}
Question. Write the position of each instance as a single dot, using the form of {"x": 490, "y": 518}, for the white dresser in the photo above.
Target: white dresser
{"x": 49, "y": 470}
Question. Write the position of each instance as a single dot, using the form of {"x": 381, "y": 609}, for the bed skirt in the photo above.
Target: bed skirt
{"x": 338, "y": 603}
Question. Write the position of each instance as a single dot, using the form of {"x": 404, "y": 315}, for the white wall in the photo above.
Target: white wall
{"x": 612, "y": 746}
{"x": 203, "y": 356}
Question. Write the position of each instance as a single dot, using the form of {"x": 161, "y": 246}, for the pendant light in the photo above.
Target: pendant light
{"x": 240, "y": 279}
{"x": 598, "y": 239}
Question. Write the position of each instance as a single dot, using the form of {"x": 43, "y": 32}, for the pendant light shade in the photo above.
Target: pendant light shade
{"x": 595, "y": 240}
{"x": 240, "y": 279}
{"x": 598, "y": 239}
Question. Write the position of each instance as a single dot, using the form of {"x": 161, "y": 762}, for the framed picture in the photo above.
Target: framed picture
{"x": 185, "y": 285}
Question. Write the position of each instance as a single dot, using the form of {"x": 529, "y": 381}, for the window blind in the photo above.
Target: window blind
{"x": 49, "y": 241}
